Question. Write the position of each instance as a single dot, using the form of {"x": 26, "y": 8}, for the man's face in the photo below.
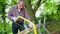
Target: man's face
{"x": 21, "y": 5}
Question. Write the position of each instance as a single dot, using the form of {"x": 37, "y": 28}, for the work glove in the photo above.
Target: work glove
{"x": 20, "y": 21}
{"x": 14, "y": 19}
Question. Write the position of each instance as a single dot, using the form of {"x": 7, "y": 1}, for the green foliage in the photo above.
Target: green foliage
{"x": 13, "y": 2}
{"x": 8, "y": 27}
{"x": 33, "y": 2}
{"x": 1, "y": 27}
{"x": 2, "y": 13}
{"x": 50, "y": 10}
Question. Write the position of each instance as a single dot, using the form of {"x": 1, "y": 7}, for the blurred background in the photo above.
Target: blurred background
{"x": 46, "y": 12}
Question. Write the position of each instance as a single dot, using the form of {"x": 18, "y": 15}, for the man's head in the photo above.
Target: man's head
{"x": 21, "y": 4}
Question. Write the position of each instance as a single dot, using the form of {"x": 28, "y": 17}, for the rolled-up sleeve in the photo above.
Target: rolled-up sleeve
{"x": 10, "y": 14}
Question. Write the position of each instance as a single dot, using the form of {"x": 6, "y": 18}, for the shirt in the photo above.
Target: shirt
{"x": 14, "y": 12}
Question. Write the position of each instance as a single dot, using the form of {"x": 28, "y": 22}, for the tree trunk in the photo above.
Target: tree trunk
{"x": 31, "y": 12}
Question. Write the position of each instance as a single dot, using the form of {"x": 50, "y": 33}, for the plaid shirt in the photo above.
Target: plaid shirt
{"x": 14, "y": 12}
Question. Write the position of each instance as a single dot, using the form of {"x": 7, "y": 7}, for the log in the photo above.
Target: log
{"x": 25, "y": 31}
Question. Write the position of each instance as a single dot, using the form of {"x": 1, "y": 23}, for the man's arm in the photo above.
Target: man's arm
{"x": 11, "y": 15}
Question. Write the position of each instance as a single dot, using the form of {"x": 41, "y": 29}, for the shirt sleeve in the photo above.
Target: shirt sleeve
{"x": 10, "y": 14}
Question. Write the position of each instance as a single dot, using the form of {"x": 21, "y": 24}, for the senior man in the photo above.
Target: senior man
{"x": 15, "y": 11}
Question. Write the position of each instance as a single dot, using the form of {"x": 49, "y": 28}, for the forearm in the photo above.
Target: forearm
{"x": 10, "y": 17}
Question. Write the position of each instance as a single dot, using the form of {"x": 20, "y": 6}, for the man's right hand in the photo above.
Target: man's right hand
{"x": 14, "y": 19}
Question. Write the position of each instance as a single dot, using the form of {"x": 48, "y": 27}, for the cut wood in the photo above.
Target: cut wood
{"x": 25, "y": 31}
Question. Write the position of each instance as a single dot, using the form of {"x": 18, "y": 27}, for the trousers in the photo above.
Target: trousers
{"x": 15, "y": 28}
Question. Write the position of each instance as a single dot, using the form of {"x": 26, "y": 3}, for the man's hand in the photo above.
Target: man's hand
{"x": 14, "y": 19}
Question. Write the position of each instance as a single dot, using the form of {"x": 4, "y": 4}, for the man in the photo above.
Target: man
{"x": 15, "y": 11}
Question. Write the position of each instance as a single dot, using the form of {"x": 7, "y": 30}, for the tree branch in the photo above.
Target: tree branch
{"x": 28, "y": 4}
{"x": 37, "y": 5}
{"x": 44, "y": 1}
